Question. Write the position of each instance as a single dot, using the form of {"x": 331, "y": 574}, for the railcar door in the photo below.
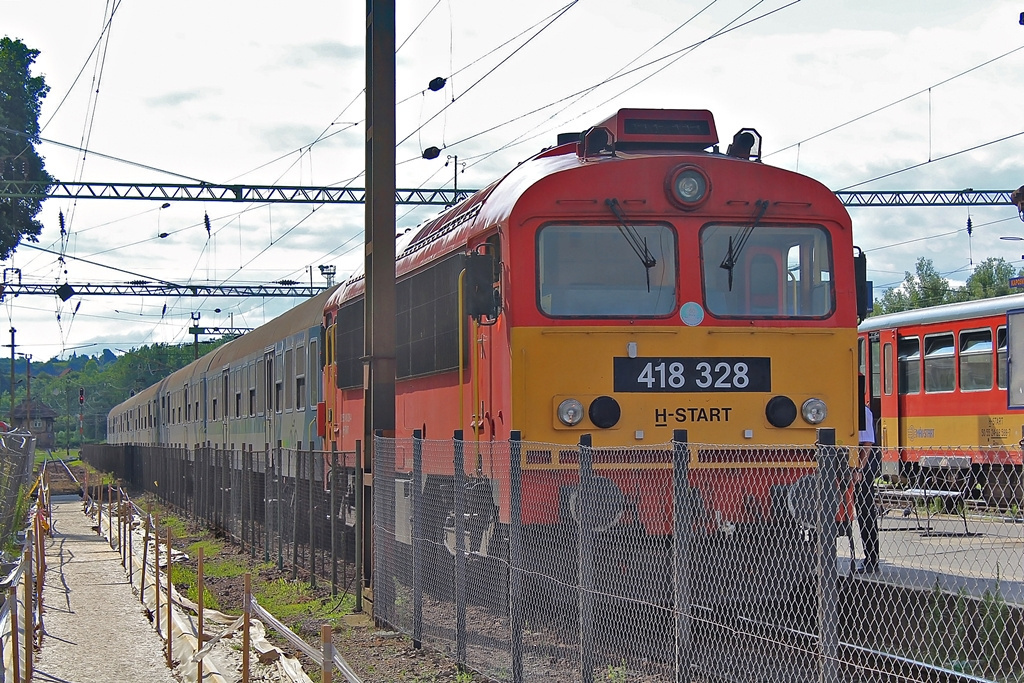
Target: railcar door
{"x": 889, "y": 400}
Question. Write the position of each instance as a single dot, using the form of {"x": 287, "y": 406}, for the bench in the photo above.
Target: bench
{"x": 926, "y": 496}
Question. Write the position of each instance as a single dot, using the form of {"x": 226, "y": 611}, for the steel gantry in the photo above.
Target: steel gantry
{"x": 208, "y": 192}
{"x": 66, "y": 291}
{"x": 307, "y": 194}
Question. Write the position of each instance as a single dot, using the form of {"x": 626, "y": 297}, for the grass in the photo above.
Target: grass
{"x": 188, "y": 578}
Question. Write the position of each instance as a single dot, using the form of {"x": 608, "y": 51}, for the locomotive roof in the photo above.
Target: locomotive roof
{"x": 945, "y": 313}
{"x": 634, "y": 131}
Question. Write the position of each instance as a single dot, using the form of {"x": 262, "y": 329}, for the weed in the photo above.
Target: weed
{"x": 211, "y": 549}
{"x": 616, "y": 674}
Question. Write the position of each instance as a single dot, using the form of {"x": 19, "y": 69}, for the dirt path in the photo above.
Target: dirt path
{"x": 95, "y": 628}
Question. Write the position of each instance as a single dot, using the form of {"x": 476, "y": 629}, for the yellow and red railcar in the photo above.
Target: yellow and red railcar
{"x": 939, "y": 388}
{"x": 638, "y": 281}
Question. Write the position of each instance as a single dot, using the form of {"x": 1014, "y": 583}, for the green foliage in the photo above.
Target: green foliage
{"x": 926, "y": 287}
{"x": 21, "y": 97}
{"x": 106, "y": 379}
{"x": 211, "y": 549}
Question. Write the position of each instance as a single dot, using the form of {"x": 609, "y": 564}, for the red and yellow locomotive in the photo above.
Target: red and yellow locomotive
{"x": 625, "y": 283}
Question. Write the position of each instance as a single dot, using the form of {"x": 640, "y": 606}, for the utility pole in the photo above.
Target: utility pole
{"x": 12, "y": 377}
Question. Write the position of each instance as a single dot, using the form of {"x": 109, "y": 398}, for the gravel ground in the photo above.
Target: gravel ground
{"x": 94, "y": 626}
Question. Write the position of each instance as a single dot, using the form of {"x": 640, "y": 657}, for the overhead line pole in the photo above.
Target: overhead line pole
{"x": 380, "y": 305}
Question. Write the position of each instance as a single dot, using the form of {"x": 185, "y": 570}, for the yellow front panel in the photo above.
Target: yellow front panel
{"x": 554, "y": 363}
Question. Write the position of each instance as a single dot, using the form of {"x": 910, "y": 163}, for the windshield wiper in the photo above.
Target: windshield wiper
{"x": 633, "y": 238}
{"x": 734, "y": 251}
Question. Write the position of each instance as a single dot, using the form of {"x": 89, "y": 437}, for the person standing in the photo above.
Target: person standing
{"x": 864, "y": 493}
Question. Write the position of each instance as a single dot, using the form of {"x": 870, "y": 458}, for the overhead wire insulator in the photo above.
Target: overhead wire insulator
{"x": 206, "y": 221}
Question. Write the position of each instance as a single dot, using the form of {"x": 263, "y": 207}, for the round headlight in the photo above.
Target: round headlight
{"x": 688, "y": 186}
{"x": 570, "y": 412}
{"x": 814, "y": 411}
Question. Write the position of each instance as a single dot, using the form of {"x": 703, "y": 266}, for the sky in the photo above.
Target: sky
{"x": 872, "y": 95}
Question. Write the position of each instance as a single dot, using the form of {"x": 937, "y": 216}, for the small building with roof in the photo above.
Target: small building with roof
{"x": 37, "y": 418}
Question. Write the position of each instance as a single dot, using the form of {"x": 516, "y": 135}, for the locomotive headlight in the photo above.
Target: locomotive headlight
{"x": 688, "y": 187}
{"x": 570, "y": 412}
{"x": 814, "y": 411}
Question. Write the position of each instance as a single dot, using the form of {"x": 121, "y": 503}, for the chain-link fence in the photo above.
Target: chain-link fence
{"x": 671, "y": 562}
{"x": 17, "y": 455}
{"x": 297, "y": 509}
{"x": 690, "y": 561}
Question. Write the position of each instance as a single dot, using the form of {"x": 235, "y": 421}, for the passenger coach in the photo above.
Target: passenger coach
{"x": 939, "y": 386}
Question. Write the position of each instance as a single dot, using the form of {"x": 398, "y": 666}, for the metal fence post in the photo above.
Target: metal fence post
{"x": 280, "y": 513}
{"x": 359, "y": 528}
{"x": 417, "y": 545}
{"x": 460, "y": 549}
{"x": 295, "y": 466}
{"x": 312, "y": 538}
{"x": 584, "y": 510}
{"x": 334, "y": 518}
{"x": 516, "y": 616}
{"x": 243, "y": 499}
{"x": 828, "y": 473}
{"x": 682, "y": 527}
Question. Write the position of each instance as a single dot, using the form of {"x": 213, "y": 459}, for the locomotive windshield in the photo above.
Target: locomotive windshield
{"x": 782, "y": 272}
{"x": 591, "y": 271}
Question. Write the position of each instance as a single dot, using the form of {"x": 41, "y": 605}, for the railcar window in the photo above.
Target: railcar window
{"x": 887, "y": 370}
{"x": 1001, "y": 357}
{"x": 876, "y": 370}
{"x": 976, "y": 360}
{"x": 777, "y": 272}
{"x": 252, "y": 402}
{"x": 300, "y": 376}
{"x": 289, "y": 368}
{"x": 592, "y": 271}
{"x": 909, "y": 355}
{"x": 315, "y": 366}
{"x": 939, "y": 363}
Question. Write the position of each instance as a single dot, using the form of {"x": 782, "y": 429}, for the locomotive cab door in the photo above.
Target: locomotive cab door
{"x": 889, "y": 424}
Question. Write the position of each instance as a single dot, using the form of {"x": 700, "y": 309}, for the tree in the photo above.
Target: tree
{"x": 990, "y": 278}
{"x": 21, "y": 97}
{"x": 926, "y": 287}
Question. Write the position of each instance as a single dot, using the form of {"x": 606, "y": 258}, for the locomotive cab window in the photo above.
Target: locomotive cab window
{"x": 976, "y": 360}
{"x": 606, "y": 271}
{"x": 767, "y": 272}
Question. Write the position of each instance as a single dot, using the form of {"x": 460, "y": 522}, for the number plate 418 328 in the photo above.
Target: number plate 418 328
{"x": 693, "y": 375}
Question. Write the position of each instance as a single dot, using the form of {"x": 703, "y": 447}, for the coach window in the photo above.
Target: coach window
{"x": 939, "y": 363}
{"x": 767, "y": 272}
{"x": 188, "y": 406}
{"x": 315, "y": 366}
{"x": 278, "y": 383}
{"x": 251, "y": 372}
{"x": 909, "y": 354}
{"x": 976, "y": 360}
{"x": 1001, "y": 357}
{"x": 606, "y": 270}
{"x": 300, "y": 376}
{"x": 289, "y": 368}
